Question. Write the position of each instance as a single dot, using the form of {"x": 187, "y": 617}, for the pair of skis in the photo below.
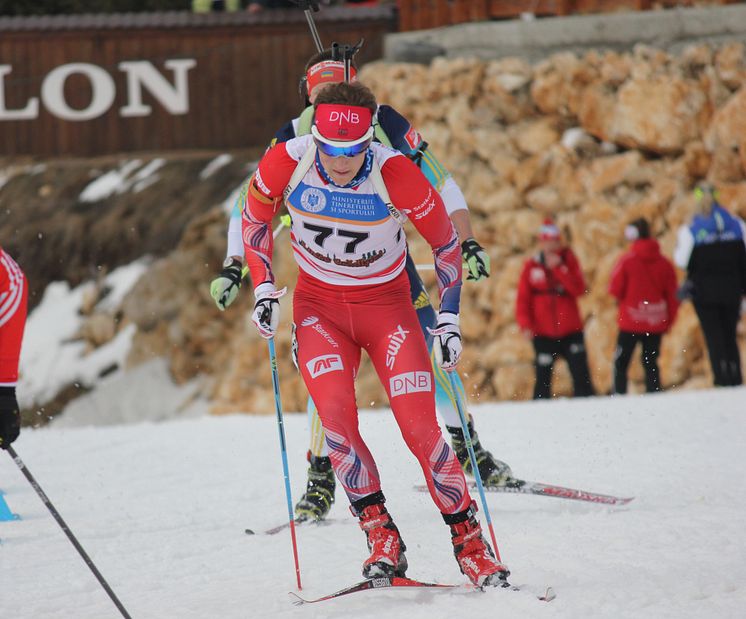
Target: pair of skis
{"x": 382, "y": 583}
{"x": 516, "y": 486}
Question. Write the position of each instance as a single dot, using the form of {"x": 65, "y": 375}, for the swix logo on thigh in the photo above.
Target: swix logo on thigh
{"x": 410, "y": 382}
{"x": 324, "y": 364}
{"x": 396, "y": 339}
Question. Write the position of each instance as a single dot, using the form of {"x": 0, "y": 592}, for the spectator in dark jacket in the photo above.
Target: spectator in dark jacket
{"x": 712, "y": 249}
{"x": 644, "y": 284}
{"x": 547, "y": 312}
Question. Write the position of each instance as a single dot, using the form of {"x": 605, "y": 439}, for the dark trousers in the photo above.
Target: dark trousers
{"x": 719, "y": 324}
{"x": 625, "y": 346}
{"x": 572, "y": 348}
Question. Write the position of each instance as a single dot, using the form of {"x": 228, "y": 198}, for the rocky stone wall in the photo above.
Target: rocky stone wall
{"x": 594, "y": 141}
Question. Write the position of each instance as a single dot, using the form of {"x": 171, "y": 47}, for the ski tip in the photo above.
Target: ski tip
{"x": 548, "y": 596}
{"x": 249, "y": 532}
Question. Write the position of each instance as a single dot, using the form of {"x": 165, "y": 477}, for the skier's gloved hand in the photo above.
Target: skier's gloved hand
{"x": 224, "y": 288}
{"x": 266, "y": 315}
{"x": 10, "y": 417}
{"x": 447, "y": 340}
{"x": 476, "y": 260}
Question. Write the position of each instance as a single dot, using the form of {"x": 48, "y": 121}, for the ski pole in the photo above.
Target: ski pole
{"x": 27, "y": 474}
{"x": 283, "y": 450}
{"x": 314, "y": 32}
{"x": 473, "y": 459}
{"x": 307, "y": 5}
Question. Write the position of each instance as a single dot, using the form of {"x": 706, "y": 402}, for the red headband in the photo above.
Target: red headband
{"x": 327, "y": 72}
{"x": 342, "y": 123}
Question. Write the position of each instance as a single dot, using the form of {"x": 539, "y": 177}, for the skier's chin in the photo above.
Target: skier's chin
{"x": 341, "y": 178}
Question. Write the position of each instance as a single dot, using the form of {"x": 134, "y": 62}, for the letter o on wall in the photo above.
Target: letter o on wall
{"x": 53, "y": 91}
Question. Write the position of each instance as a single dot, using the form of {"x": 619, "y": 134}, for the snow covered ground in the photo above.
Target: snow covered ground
{"x": 53, "y": 356}
{"x": 162, "y": 507}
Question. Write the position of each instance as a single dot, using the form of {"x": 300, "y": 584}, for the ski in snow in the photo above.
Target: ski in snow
{"x": 286, "y": 525}
{"x": 560, "y": 492}
{"x": 383, "y": 583}
{"x": 373, "y": 583}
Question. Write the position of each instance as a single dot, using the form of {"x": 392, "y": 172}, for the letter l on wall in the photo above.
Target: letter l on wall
{"x": 32, "y": 106}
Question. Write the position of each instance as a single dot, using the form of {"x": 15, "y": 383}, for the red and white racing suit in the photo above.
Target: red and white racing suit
{"x": 13, "y": 299}
{"x": 353, "y": 294}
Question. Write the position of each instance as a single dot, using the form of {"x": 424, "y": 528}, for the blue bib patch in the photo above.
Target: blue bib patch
{"x": 354, "y": 206}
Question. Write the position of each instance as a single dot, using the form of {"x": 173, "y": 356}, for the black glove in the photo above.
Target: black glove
{"x": 10, "y": 417}
{"x": 476, "y": 260}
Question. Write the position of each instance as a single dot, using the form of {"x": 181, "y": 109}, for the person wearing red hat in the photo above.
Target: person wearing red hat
{"x": 13, "y": 300}
{"x": 348, "y": 198}
{"x": 547, "y": 312}
{"x": 644, "y": 284}
{"x": 393, "y": 130}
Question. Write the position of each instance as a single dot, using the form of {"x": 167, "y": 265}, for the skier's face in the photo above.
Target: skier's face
{"x": 316, "y": 90}
{"x": 550, "y": 246}
{"x": 342, "y": 169}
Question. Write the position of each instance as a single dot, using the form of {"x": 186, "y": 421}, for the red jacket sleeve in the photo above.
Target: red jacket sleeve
{"x": 13, "y": 300}
{"x": 412, "y": 194}
{"x": 618, "y": 281}
{"x": 569, "y": 274}
{"x": 262, "y": 201}
{"x": 523, "y": 300}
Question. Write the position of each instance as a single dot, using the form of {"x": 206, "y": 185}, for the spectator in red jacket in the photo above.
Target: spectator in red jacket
{"x": 13, "y": 297}
{"x": 547, "y": 312}
{"x": 644, "y": 284}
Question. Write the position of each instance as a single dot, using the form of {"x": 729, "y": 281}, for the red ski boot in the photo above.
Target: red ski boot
{"x": 384, "y": 543}
{"x": 473, "y": 553}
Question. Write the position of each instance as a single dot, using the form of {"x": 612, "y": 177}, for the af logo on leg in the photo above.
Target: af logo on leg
{"x": 324, "y": 364}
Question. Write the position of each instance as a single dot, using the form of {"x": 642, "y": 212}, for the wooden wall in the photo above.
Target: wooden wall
{"x": 243, "y": 86}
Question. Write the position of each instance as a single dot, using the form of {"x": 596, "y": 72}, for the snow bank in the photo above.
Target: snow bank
{"x": 162, "y": 508}
{"x": 52, "y": 357}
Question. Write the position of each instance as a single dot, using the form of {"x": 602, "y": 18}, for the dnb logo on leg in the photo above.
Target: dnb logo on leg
{"x": 410, "y": 382}
{"x": 324, "y": 364}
